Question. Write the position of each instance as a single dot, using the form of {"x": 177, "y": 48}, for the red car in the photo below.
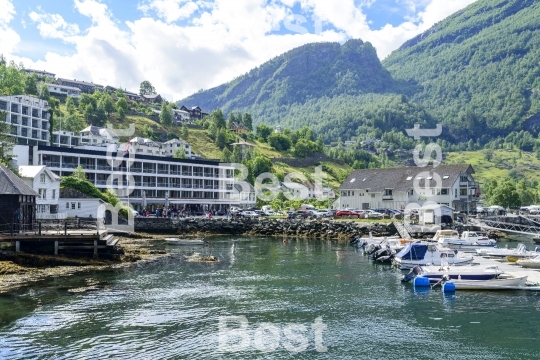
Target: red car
{"x": 349, "y": 213}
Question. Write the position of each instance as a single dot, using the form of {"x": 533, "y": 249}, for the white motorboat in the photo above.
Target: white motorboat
{"x": 533, "y": 263}
{"x": 468, "y": 240}
{"x": 428, "y": 254}
{"x": 442, "y": 234}
{"x": 466, "y": 272}
{"x": 177, "y": 241}
{"x": 519, "y": 252}
{"x": 510, "y": 283}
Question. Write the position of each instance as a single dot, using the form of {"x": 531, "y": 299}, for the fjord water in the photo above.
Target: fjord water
{"x": 171, "y": 309}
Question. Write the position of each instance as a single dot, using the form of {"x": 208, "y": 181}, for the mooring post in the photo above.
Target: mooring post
{"x": 65, "y": 227}
{"x": 12, "y": 227}
{"x": 39, "y": 228}
{"x": 56, "y": 247}
{"x": 95, "y": 249}
{"x": 17, "y": 246}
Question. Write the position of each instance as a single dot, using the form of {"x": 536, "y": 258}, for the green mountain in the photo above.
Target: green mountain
{"x": 309, "y": 72}
{"x": 475, "y": 72}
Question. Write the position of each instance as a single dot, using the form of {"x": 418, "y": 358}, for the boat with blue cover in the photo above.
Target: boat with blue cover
{"x": 428, "y": 254}
{"x": 465, "y": 272}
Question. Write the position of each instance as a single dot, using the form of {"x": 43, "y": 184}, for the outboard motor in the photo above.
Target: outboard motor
{"x": 415, "y": 271}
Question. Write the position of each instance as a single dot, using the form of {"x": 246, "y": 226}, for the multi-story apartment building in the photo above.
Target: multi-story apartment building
{"x": 395, "y": 188}
{"x": 154, "y": 180}
{"x": 92, "y": 135}
{"x": 28, "y": 117}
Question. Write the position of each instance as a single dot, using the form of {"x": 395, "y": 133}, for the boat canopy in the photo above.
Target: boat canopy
{"x": 413, "y": 251}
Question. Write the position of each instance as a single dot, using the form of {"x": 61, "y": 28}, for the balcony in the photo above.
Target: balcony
{"x": 149, "y": 184}
{"x": 104, "y": 167}
{"x": 162, "y": 184}
{"x": 101, "y": 182}
{"x": 163, "y": 171}
{"x": 69, "y": 165}
{"x": 199, "y": 174}
{"x": 388, "y": 197}
{"x": 51, "y": 163}
{"x": 135, "y": 169}
{"x": 187, "y": 186}
{"x": 186, "y": 173}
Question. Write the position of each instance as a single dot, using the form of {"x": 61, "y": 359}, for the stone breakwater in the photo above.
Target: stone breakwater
{"x": 283, "y": 227}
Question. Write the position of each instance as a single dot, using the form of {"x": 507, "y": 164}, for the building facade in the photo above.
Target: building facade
{"x": 181, "y": 182}
{"x": 64, "y": 90}
{"x": 47, "y": 185}
{"x": 395, "y": 188}
{"x": 86, "y": 87}
{"x": 28, "y": 117}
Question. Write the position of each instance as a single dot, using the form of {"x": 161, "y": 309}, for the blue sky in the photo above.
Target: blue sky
{"x": 182, "y": 46}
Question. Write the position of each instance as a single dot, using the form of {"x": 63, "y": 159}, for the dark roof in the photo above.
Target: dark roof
{"x": 11, "y": 184}
{"x": 60, "y": 80}
{"x": 151, "y": 96}
{"x": 377, "y": 180}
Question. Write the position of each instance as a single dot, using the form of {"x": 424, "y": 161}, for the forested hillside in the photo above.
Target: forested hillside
{"x": 477, "y": 70}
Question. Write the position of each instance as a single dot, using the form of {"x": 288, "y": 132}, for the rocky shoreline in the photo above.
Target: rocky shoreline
{"x": 316, "y": 228}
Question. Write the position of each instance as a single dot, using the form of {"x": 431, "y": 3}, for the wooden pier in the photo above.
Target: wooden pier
{"x": 68, "y": 241}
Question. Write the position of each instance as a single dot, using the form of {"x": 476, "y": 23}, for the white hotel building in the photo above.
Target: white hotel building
{"x": 29, "y": 118}
{"x": 156, "y": 180}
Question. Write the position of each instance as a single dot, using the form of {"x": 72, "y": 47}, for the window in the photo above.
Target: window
{"x": 72, "y": 206}
{"x": 54, "y": 194}
{"x": 409, "y": 178}
{"x": 446, "y": 177}
{"x": 78, "y": 205}
{"x": 372, "y": 195}
{"x": 67, "y": 205}
{"x": 463, "y": 192}
{"x": 463, "y": 178}
{"x": 444, "y": 191}
{"x": 429, "y": 177}
{"x": 419, "y": 178}
{"x": 388, "y": 192}
{"x": 455, "y": 192}
{"x": 42, "y": 178}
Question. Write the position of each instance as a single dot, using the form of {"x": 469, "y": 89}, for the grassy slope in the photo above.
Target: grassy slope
{"x": 499, "y": 166}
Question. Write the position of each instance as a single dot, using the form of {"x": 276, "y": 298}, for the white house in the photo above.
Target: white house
{"x": 76, "y": 204}
{"x": 70, "y": 91}
{"x": 47, "y": 185}
{"x": 93, "y": 135}
{"x": 169, "y": 148}
{"x": 144, "y": 146}
{"x": 395, "y": 188}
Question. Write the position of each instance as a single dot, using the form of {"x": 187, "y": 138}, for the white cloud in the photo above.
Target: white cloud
{"x": 222, "y": 39}
{"x": 53, "y": 26}
{"x": 170, "y": 10}
{"x": 8, "y": 37}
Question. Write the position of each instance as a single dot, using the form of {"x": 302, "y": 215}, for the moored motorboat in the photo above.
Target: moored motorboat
{"x": 428, "y": 254}
{"x": 177, "y": 241}
{"x": 468, "y": 240}
{"x": 510, "y": 283}
{"x": 465, "y": 272}
{"x": 519, "y": 252}
{"x": 533, "y": 263}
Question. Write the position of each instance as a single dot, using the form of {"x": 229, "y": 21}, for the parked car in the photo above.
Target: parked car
{"x": 304, "y": 213}
{"x": 250, "y": 214}
{"x": 349, "y": 213}
{"x": 323, "y": 213}
{"x": 371, "y": 214}
{"x": 271, "y": 213}
{"x": 260, "y": 212}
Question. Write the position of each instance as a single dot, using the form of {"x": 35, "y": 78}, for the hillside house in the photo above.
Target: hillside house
{"x": 238, "y": 128}
{"x": 86, "y": 87}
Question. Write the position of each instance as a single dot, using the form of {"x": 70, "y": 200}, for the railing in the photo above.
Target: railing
{"x": 88, "y": 166}
{"x": 162, "y": 184}
{"x": 104, "y": 167}
{"x": 187, "y": 186}
{"x": 388, "y": 197}
{"x": 161, "y": 171}
{"x": 51, "y": 163}
{"x": 200, "y": 174}
{"x": 135, "y": 170}
{"x": 186, "y": 173}
{"x": 197, "y": 186}
{"x": 149, "y": 184}
{"x": 69, "y": 165}
{"x": 101, "y": 182}
{"x": 149, "y": 171}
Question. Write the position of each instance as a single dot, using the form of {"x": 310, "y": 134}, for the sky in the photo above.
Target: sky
{"x": 183, "y": 46}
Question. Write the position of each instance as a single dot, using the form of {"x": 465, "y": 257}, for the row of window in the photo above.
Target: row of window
{"x": 73, "y": 205}
{"x": 390, "y": 192}
{"x": 43, "y": 194}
